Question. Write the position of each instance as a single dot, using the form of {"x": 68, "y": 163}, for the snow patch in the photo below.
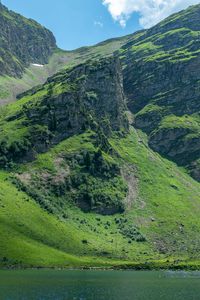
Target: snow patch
{"x": 37, "y": 65}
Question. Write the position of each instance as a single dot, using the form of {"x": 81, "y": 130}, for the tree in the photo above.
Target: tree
{"x": 87, "y": 160}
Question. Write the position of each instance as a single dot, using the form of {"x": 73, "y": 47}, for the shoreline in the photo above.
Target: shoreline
{"x": 186, "y": 268}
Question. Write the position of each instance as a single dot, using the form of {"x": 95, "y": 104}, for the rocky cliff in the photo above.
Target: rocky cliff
{"x": 70, "y": 103}
{"x": 161, "y": 81}
{"x": 22, "y": 41}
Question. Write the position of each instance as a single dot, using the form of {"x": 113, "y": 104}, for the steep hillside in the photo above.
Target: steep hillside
{"x": 159, "y": 227}
{"x": 22, "y": 41}
{"x": 68, "y": 150}
{"x": 35, "y": 75}
{"x": 82, "y": 180}
{"x": 68, "y": 104}
{"x": 29, "y": 55}
{"x": 161, "y": 82}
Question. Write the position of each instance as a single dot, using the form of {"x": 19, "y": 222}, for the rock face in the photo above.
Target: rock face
{"x": 89, "y": 96}
{"x": 22, "y": 41}
{"x": 176, "y": 145}
{"x": 161, "y": 81}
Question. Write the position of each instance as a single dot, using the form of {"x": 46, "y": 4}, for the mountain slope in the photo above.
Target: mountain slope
{"x": 29, "y": 55}
{"x": 103, "y": 181}
{"x": 22, "y": 41}
{"x": 160, "y": 226}
{"x": 35, "y": 75}
{"x": 83, "y": 183}
{"x": 161, "y": 81}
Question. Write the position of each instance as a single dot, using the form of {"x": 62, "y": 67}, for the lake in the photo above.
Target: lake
{"x": 98, "y": 285}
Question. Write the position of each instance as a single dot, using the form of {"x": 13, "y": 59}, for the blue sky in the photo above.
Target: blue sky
{"x": 77, "y": 23}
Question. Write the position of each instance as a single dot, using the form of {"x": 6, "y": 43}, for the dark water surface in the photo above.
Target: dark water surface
{"x": 97, "y": 285}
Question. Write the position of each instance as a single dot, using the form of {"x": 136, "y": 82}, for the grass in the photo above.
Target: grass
{"x": 32, "y": 237}
{"x": 191, "y": 122}
{"x": 165, "y": 211}
{"x": 170, "y": 197}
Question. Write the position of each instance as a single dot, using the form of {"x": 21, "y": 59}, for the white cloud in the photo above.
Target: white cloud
{"x": 150, "y": 11}
{"x": 98, "y": 23}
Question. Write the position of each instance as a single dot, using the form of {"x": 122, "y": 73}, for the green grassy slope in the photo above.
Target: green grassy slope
{"x": 165, "y": 211}
{"x": 171, "y": 198}
{"x": 32, "y": 237}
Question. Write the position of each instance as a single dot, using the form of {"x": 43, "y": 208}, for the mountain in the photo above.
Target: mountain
{"x": 37, "y": 70}
{"x": 22, "y": 67}
{"x": 161, "y": 81}
{"x": 100, "y": 163}
{"x": 23, "y": 41}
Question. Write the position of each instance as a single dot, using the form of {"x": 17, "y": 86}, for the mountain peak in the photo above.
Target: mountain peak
{"x": 22, "y": 41}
